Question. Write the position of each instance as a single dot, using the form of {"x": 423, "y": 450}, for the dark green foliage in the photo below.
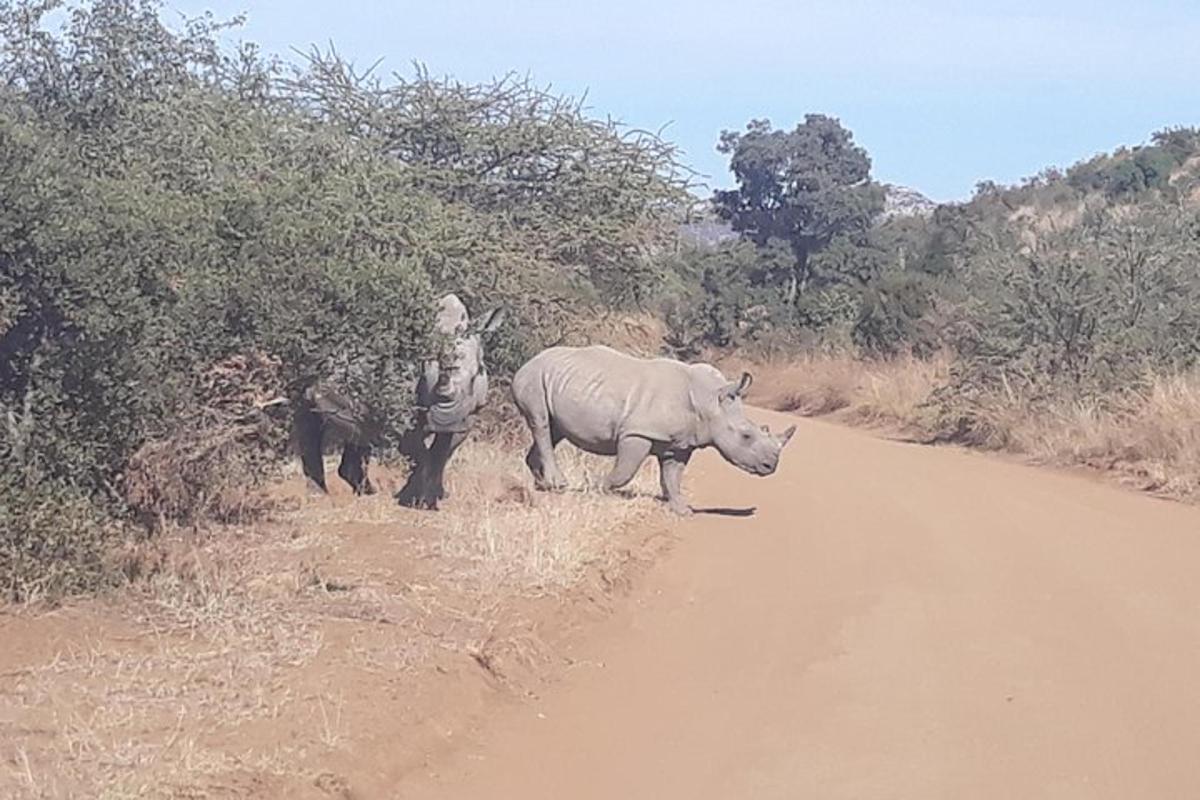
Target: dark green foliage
{"x": 53, "y": 539}
{"x": 1130, "y": 172}
{"x": 817, "y": 262}
{"x": 874, "y": 290}
{"x": 727, "y": 297}
{"x": 1075, "y": 283}
{"x": 894, "y": 314}
{"x": 1093, "y": 306}
{"x": 806, "y": 187}
{"x": 166, "y": 206}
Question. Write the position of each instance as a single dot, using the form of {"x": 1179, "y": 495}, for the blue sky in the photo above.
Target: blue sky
{"x": 941, "y": 94}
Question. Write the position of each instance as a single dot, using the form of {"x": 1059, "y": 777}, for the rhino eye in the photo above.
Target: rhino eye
{"x": 746, "y": 436}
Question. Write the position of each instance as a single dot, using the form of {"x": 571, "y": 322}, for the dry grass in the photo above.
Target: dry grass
{"x": 1147, "y": 437}
{"x": 501, "y": 534}
{"x": 197, "y": 648}
{"x": 883, "y": 392}
{"x": 250, "y": 650}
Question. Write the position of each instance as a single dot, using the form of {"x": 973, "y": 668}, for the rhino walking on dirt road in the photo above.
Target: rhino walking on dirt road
{"x": 448, "y": 392}
{"x": 609, "y": 403}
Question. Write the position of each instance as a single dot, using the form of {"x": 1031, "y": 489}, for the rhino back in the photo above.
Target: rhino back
{"x": 595, "y": 395}
{"x": 339, "y": 413}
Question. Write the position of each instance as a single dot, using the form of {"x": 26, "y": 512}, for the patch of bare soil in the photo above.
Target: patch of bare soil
{"x": 876, "y": 620}
{"x": 324, "y": 654}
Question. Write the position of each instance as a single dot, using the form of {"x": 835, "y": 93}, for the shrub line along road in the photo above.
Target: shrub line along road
{"x": 893, "y": 621}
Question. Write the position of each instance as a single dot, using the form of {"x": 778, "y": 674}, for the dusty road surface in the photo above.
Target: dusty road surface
{"x": 891, "y": 621}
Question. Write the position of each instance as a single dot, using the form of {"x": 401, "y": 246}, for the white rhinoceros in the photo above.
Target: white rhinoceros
{"x": 449, "y": 391}
{"x": 610, "y": 403}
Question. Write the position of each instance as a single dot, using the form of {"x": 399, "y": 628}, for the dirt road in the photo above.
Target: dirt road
{"x": 892, "y": 621}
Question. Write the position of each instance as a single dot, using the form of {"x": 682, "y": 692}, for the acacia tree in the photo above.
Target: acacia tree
{"x": 169, "y": 206}
{"x": 805, "y": 186}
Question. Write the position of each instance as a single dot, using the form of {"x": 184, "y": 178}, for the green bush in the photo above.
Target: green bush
{"x": 1130, "y": 172}
{"x": 166, "y": 206}
{"x": 53, "y": 539}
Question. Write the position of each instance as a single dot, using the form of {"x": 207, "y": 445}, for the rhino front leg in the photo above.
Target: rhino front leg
{"x": 444, "y": 445}
{"x": 455, "y": 442}
{"x": 670, "y": 473}
{"x": 631, "y": 452}
{"x": 412, "y": 444}
{"x": 424, "y": 486}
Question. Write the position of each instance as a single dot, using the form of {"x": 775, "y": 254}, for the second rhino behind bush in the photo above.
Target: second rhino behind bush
{"x": 609, "y": 403}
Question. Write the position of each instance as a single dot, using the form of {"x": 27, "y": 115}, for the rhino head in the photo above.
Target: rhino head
{"x": 742, "y": 443}
{"x": 454, "y": 385}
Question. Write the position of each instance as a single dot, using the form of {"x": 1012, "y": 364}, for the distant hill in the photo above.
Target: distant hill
{"x": 901, "y": 201}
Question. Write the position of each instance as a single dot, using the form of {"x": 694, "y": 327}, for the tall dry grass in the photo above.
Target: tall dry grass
{"x": 498, "y": 531}
{"x": 1147, "y": 436}
{"x": 890, "y": 392}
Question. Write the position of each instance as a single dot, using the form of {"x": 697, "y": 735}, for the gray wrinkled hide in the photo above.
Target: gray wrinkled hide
{"x": 451, "y": 388}
{"x": 609, "y": 403}
{"x": 455, "y": 386}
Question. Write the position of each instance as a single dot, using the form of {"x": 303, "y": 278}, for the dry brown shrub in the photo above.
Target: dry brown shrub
{"x": 212, "y": 466}
{"x": 637, "y": 334}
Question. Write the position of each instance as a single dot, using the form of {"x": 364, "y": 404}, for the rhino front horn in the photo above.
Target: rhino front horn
{"x": 786, "y": 436}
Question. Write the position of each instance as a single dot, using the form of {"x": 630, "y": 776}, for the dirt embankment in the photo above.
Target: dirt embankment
{"x": 324, "y": 654}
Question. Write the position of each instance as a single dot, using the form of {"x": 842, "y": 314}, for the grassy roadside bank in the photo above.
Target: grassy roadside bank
{"x": 1144, "y": 436}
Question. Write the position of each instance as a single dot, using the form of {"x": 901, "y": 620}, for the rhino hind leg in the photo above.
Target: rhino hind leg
{"x": 310, "y": 441}
{"x": 353, "y": 468}
{"x": 631, "y": 452}
{"x": 670, "y": 474}
{"x": 541, "y": 461}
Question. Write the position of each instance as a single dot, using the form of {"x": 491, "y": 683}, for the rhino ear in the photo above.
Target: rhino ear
{"x": 732, "y": 391}
{"x": 786, "y": 436}
{"x": 744, "y": 383}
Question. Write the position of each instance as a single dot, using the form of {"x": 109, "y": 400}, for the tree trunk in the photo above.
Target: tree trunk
{"x": 798, "y": 280}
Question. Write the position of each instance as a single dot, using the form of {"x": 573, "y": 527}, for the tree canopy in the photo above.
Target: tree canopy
{"x": 806, "y": 187}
